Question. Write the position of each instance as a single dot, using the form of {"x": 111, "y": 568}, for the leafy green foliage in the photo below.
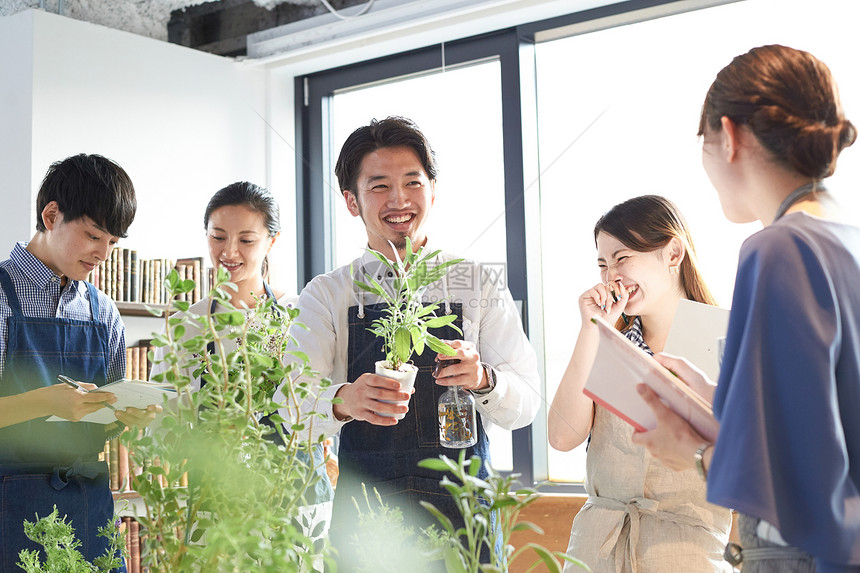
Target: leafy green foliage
{"x": 242, "y": 509}
{"x": 404, "y": 328}
{"x": 61, "y": 547}
{"x": 477, "y": 499}
{"x": 382, "y": 543}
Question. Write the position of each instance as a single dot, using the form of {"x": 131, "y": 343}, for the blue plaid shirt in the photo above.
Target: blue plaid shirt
{"x": 634, "y": 334}
{"x": 41, "y": 295}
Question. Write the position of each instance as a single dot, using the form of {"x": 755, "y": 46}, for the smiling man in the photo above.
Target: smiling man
{"x": 387, "y": 174}
{"x": 53, "y": 322}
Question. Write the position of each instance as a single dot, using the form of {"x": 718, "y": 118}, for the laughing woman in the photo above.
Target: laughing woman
{"x": 640, "y": 516}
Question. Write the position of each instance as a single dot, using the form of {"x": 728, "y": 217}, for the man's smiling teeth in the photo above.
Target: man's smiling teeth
{"x": 400, "y": 219}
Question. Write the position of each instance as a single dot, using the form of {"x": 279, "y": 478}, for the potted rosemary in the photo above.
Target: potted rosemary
{"x": 405, "y": 325}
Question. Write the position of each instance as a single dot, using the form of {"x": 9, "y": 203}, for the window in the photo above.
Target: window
{"x": 618, "y": 115}
{"x": 617, "y": 97}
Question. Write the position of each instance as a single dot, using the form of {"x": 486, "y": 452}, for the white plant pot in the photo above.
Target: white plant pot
{"x": 406, "y": 379}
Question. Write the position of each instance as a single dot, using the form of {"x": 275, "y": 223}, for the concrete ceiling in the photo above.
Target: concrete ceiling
{"x": 144, "y": 17}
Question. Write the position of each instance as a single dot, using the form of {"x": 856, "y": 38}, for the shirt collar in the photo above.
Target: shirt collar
{"x": 34, "y": 269}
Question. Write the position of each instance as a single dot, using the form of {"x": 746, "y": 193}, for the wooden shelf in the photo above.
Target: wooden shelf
{"x": 139, "y": 308}
{"x": 129, "y": 494}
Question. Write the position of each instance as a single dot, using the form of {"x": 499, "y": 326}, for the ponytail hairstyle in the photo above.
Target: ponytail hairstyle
{"x": 254, "y": 197}
{"x": 648, "y": 223}
{"x": 790, "y": 102}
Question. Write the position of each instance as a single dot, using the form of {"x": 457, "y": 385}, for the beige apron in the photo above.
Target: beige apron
{"x": 641, "y": 516}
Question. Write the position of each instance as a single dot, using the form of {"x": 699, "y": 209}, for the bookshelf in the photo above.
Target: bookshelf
{"x": 139, "y": 308}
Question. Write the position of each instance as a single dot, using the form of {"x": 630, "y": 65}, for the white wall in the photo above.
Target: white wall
{"x": 183, "y": 123}
{"x": 16, "y": 104}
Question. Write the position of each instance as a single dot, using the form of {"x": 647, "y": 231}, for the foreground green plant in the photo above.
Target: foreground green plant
{"x": 384, "y": 544}
{"x": 61, "y": 547}
{"x": 477, "y": 499}
{"x": 244, "y": 508}
{"x": 404, "y": 329}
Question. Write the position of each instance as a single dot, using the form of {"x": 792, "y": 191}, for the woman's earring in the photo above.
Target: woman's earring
{"x": 674, "y": 269}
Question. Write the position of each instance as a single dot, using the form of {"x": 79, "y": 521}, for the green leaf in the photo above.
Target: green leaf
{"x": 300, "y": 355}
{"x": 181, "y": 305}
{"x": 417, "y": 339}
{"x": 403, "y": 343}
{"x": 440, "y": 517}
{"x": 527, "y": 526}
{"x": 438, "y": 346}
{"x": 375, "y": 288}
{"x": 434, "y": 464}
{"x": 440, "y": 321}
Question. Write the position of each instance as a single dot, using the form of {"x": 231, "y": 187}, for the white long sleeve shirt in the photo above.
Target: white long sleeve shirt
{"x": 490, "y": 321}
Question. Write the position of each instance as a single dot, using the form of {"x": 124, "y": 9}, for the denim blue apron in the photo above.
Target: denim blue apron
{"x": 322, "y": 490}
{"x": 43, "y": 464}
{"x": 386, "y": 457}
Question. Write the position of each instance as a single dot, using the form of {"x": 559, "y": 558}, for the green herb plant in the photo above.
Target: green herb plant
{"x": 244, "y": 508}
{"x": 382, "y": 531}
{"x": 404, "y": 328}
{"x": 61, "y": 547}
{"x": 477, "y": 499}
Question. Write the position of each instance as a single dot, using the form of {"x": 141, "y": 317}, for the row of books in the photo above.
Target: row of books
{"x": 137, "y": 362}
{"x": 126, "y": 278}
{"x": 132, "y": 545}
{"x": 122, "y": 467}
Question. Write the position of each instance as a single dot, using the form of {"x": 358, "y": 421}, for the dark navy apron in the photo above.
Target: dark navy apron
{"x": 386, "y": 457}
{"x": 322, "y": 490}
{"x": 43, "y": 464}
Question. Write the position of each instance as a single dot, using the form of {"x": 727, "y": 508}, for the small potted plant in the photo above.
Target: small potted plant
{"x": 405, "y": 326}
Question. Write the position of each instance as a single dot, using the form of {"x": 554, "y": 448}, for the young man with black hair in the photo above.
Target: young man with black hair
{"x": 387, "y": 175}
{"x": 53, "y": 322}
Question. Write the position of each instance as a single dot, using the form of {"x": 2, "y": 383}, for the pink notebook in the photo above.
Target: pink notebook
{"x": 620, "y": 365}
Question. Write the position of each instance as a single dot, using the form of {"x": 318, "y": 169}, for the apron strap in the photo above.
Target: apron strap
{"x": 735, "y": 554}
{"x": 94, "y": 300}
{"x": 11, "y": 295}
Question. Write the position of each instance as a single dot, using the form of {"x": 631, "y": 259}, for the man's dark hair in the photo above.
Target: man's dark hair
{"x": 389, "y": 132}
{"x": 91, "y": 186}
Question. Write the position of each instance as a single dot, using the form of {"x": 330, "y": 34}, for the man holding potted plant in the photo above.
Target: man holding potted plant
{"x": 387, "y": 174}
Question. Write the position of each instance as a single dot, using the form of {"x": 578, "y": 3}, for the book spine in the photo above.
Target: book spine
{"x": 114, "y": 266}
{"x": 135, "y": 363}
{"x": 120, "y": 274}
{"x": 134, "y": 295}
{"x": 126, "y": 283}
{"x": 134, "y": 551}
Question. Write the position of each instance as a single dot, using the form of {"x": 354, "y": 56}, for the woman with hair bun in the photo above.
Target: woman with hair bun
{"x": 640, "y": 516}
{"x": 788, "y": 397}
